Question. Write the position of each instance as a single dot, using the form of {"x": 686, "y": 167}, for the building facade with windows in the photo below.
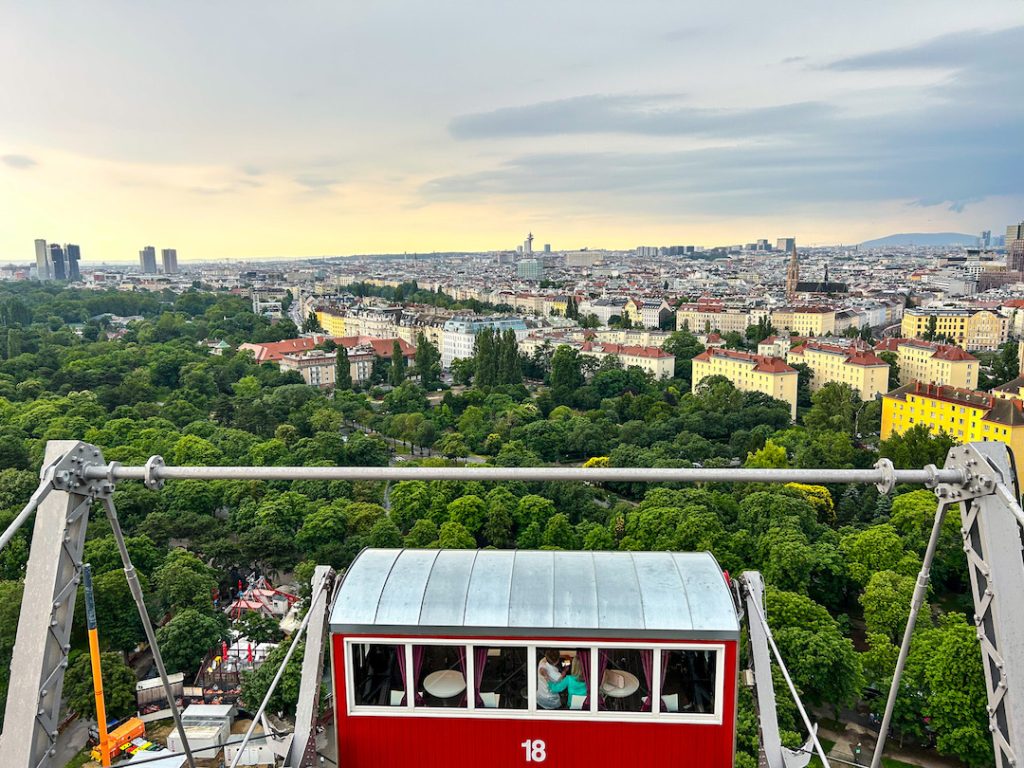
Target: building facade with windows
{"x": 805, "y": 321}
{"x": 460, "y": 334}
{"x": 932, "y": 363}
{"x": 972, "y": 329}
{"x": 332, "y": 320}
{"x": 750, "y": 373}
{"x": 860, "y": 368}
{"x": 965, "y": 415}
{"x": 316, "y": 366}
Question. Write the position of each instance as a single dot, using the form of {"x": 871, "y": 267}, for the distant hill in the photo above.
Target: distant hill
{"x": 921, "y": 238}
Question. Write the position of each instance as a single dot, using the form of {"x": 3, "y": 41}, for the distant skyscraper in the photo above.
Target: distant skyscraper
{"x": 74, "y": 254}
{"x": 42, "y": 260}
{"x": 147, "y": 260}
{"x": 547, "y": 247}
{"x": 528, "y": 244}
{"x": 985, "y": 240}
{"x": 57, "y": 262}
{"x": 169, "y": 256}
{"x": 530, "y": 269}
{"x": 1015, "y": 248}
{"x": 792, "y": 272}
{"x": 785, "y": 244}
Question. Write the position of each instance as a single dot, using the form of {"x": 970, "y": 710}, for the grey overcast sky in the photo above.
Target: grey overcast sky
{"x": 268, "y": 128}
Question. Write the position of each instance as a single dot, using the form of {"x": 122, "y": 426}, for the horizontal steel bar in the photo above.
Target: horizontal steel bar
{"x": 535, "y": 474}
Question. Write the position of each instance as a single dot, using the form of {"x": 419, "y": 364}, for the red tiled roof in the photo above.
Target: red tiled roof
{"x": 940, "y": 351}
{"x": 274, "y": 350}
{"x": 855, "y": 353}
{"x": 761, "y": 363}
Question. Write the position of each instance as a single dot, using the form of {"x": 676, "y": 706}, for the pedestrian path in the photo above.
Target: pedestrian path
{"x": 856, "y": 735}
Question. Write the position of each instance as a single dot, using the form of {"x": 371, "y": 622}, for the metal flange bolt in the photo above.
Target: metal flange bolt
{"x": 153, "y": 482}
{"x": 888, "y": 481}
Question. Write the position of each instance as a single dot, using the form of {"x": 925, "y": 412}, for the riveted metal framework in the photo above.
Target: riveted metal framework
{"x": 979, "y": 477}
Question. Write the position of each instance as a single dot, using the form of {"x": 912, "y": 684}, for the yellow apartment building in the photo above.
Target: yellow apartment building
{"x": 968, "y": 328}
{"x": 699, "y": 320}
{"x": 966, "y": 415}
{"x": 862, "y": 369}
{"x": 750, "y": 373}
{"x": 805, "y": 321}
{"x": 332, "y": 321}
{"x": 932, "y": 363}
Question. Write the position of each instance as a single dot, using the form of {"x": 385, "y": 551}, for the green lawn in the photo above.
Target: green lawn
{"x": 826, "y": 745}
{"x": 80, "y": 759}
{"x": 888, "y": 762}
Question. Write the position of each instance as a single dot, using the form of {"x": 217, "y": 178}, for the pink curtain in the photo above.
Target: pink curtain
{"x": 664, "y": 672}
{"x": 602, "y": 665}
{"x": 460, "y": 652}
{"x": 647, "y": 661}
{"x": 584, "y": 655}
{"x": 401, "y": 668}
{"x": 417, "y": 669}
{"x": 479, "y": 662}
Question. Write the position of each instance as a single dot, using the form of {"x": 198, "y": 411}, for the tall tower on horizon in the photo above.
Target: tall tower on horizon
{"x": 169, "y": 256}
{"x": 792, "y": 273}
{"x": 74, "y": 255}
{"x": 528, "y": 244}
{"x": 147, "y": 260}
{"x": 57, "y": 262}
{"x": 42, "y": 260}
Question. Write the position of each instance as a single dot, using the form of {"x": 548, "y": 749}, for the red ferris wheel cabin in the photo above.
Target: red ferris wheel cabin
{"x": 502, "y": 658}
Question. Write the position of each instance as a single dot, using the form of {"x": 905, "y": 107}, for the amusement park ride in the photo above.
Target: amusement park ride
{"x": 435, "y": 653}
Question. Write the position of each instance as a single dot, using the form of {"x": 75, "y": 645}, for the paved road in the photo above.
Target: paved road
{"x": 70, "y": 742}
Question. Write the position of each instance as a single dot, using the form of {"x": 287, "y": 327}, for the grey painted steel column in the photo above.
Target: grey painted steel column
{"x": 920, "y": 591}
{"x": 992, "y": 541}
{"x": 44, "y": 625}
{"x": 308, "y": 707}
{"x": 764, "y": 686}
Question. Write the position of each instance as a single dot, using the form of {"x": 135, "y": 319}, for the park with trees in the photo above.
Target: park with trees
{"x": 839, "y": 561}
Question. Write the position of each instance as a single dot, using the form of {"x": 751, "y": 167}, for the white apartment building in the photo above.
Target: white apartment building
{"x": 460, "y": 334}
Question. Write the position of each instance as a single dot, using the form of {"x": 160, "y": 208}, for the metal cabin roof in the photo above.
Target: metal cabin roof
{"x": 519, "y": 592}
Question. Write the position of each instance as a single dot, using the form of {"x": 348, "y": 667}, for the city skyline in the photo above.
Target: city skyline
{"x": 472, "y": 125}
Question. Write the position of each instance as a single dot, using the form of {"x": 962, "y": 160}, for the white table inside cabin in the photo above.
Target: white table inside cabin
{"x": 444, "y": 683}
{"x": 630, "y": 685}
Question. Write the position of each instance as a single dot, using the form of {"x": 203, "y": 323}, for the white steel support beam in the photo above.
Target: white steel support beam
{"x": 303, "y": 747}
{"x": 47, "y": 609}
{"x": 995, "y": 560}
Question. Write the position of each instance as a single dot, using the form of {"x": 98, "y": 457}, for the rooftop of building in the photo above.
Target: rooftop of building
{"x": 761, "y": 363}
{"x": 855, "y": 354}
{"x": 940, "y": 351}
{"x": 1007, "y": 412}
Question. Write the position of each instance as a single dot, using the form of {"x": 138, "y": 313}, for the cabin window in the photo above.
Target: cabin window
{"x": 688, "y": 681}
{"x": 563, "y": 679}
{"x": 440, "y": 675}
{"x": 499, "y": 677}
{"x": 378, "y": 674}
{"x": 625, "y": 677}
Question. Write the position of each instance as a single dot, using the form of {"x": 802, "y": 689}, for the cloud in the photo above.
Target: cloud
{"x": 960, "y": 49}
{"x": 20, "y": 162}
{"x": 957, "y": 146}
{"x": 315, "y": 183}
{"x": 652, "y": 115}
{"x": 793, "y": 59}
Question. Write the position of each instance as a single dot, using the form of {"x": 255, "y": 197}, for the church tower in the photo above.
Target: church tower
{"x": 792, "y": 274}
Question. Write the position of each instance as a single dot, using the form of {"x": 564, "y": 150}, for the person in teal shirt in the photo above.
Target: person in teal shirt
{"x": 573, "y": 682}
